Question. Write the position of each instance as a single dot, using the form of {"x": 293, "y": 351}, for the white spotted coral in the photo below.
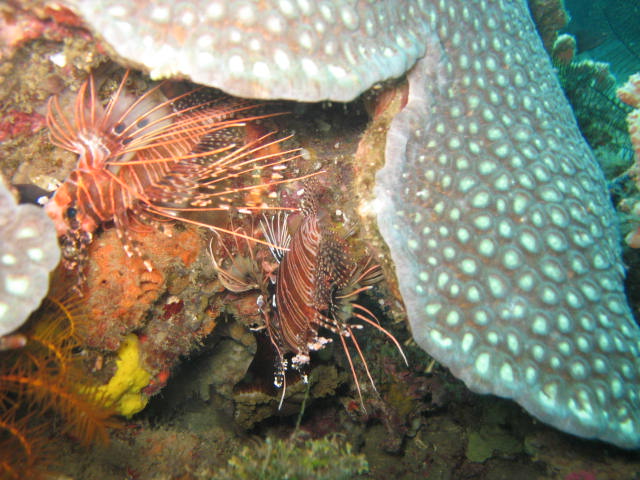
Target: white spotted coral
{"x": 28, "y": 252}
{"x": 304, "y": 51}
{"x": 504, "y": 239}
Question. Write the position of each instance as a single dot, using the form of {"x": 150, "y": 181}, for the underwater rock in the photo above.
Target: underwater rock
{"x": 120, "y": 290}
{"x": 313, "y": 459}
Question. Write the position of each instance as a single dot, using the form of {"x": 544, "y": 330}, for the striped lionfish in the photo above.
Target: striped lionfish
{"x": 316, "y": 287}
{"x": 152, "y": 158}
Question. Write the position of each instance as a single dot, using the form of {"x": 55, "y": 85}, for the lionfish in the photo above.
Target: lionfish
{"x": 151, "y": 158}
{"x": 316, "y": 287}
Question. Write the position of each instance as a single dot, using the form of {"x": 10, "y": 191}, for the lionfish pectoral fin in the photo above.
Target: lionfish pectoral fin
{"x": 275, "y": 232}
{"x": 380, "y": 328}
{"x": 353, "y": 372}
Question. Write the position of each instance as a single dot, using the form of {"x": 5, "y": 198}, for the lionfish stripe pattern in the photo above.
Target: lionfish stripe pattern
{"x": 316, "y": 287}
{"x": 158, "y": 158}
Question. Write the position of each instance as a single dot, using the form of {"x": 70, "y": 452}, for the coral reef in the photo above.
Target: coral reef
{"x": 195, "y": 320}
{"x": 166, "y": 308}
{"x": 550, "y": 16}
{"x": 257, "y": 400}
{"x": 590, "y": 88}
{"x": 121, "y": 287}
{"x": 30, "y": 252}
{"x": 629, "y": 93}
{"x": 526, "y": 67}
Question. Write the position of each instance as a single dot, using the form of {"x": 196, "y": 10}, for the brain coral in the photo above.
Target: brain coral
{"x": 503, "y": 236}
{"x": 28, "y": 252}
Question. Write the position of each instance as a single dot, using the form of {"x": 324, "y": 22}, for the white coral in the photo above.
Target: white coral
{"x": 28, "y": 252}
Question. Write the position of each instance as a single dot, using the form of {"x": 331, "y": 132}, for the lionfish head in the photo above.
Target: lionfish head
{"x": 73, "y": 226}
{"x": 102, "y": 137}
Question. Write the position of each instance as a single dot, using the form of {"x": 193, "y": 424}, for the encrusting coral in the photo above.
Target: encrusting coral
{"x": 265, "y": 49}
{"x": 503, "y": 235}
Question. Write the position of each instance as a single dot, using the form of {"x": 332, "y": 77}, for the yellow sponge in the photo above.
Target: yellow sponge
{"x": 123, "y": 390}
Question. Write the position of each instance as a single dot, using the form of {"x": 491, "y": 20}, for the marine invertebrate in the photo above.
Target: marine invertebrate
{"x": 30, "y": 251}
{"x": 629, "y": 93}
{"x": 123, "y": 392}
{"x": 316, "y": 286}
{"x": 44, "y": 391}
{"x": 504, "y": 240}
{"x": 549, "y": 16}
{"x": 156, "y": 158}
{"x": 267, "y": 49}
{"x": 590, "y": 88}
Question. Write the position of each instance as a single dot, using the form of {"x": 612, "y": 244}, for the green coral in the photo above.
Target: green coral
{"x": 328, "y": 458}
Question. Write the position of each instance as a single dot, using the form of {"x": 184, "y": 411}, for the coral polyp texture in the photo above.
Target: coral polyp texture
{"x": 277, "y": 49}
{"x": 28, "y": 252}
{"x": 503, "y": 236}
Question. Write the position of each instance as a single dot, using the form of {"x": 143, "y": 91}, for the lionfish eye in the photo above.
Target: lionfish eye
{"x": 71, "y": 213}
{"x": 118, "y": 128}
